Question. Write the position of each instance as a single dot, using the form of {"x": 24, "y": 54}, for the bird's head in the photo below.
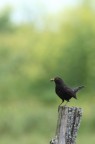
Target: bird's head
{"x": 57, "y": 80}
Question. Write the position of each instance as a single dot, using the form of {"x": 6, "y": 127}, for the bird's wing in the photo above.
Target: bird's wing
{"x": 69, "y": 92}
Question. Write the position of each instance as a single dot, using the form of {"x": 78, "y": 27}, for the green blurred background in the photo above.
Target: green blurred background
{"x": 32, "y": 52}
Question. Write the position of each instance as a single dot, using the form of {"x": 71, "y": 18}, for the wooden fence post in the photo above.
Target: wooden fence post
{"x": 67, "y": 125}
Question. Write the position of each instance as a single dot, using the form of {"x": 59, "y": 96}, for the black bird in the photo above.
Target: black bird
{"x": 63, "y": 91}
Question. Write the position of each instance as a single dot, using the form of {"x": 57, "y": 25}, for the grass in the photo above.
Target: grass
{"x": 25, "y": 121}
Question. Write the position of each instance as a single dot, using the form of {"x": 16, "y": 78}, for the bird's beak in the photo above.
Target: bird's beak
{"x": 52, "y": 79}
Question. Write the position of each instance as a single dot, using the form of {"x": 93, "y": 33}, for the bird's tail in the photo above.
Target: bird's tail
{"x": 77, "y": 89}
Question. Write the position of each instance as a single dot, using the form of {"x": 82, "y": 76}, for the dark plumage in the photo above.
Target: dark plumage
{"x": 63, "y": 91}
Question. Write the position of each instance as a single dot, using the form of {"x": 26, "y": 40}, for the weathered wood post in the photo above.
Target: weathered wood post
{"x": 67, "y": 125}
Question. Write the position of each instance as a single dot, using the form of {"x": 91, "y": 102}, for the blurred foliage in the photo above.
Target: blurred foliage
{"x": 29, "y": 57}
{"x": 5, "y": 22}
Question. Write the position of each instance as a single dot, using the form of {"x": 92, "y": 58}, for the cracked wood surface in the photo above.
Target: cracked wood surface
{"x": 67, "y": 125}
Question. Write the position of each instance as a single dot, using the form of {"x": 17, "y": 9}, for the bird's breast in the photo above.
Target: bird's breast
{"x": 59, "y": 91}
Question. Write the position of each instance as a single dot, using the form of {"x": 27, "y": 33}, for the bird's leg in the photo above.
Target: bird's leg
{"x": 60, "y": 104}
